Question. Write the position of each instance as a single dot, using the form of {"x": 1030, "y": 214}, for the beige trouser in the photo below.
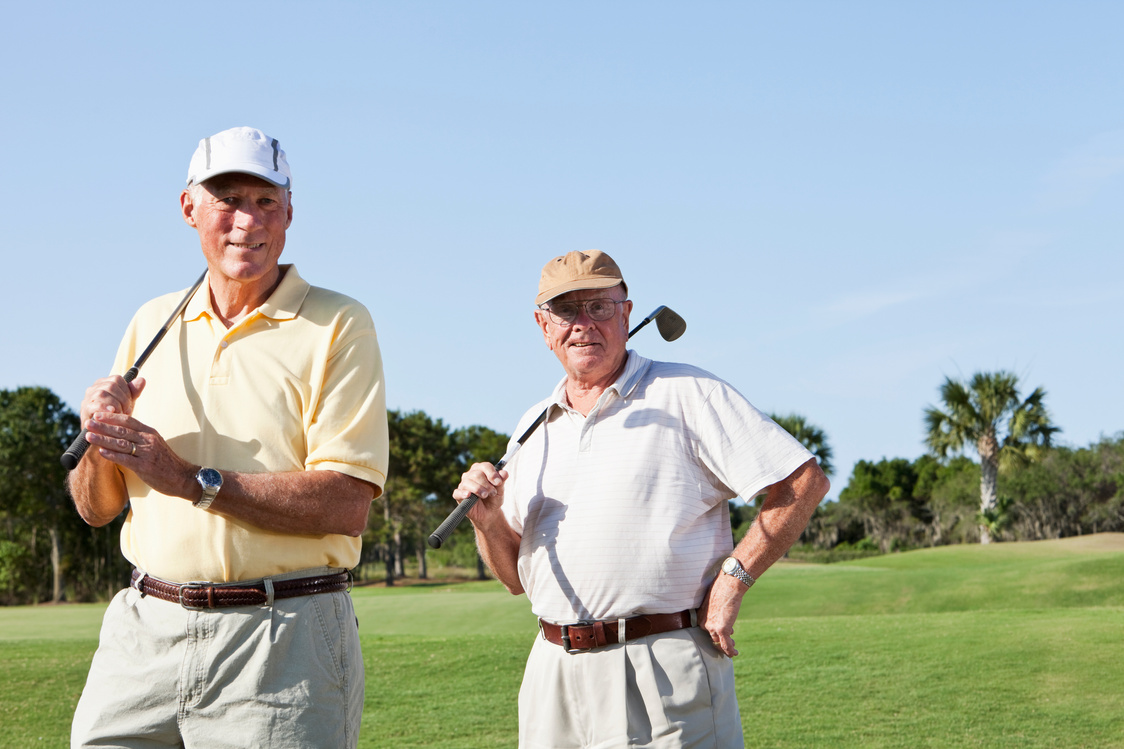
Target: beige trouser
{"x": 290, "y": 675}
{"x": 661, "y": 691}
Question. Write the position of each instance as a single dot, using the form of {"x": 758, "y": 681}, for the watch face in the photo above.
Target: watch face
{"x": 210, "y": 477}
{"x": 729, "y": 565}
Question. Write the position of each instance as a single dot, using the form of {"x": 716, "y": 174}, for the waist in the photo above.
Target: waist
{"x": 206, "y": 595}
{"x": 583, "y": 636}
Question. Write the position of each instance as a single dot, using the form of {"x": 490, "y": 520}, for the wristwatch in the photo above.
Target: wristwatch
{"x": 211, "y": 481}
{"x": 732, "y": 567}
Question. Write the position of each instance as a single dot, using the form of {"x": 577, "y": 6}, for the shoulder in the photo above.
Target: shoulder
{"x": 684, "y": 379}
{"x": 322, "y": 304}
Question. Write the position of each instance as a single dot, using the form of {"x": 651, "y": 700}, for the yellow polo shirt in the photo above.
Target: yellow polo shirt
{"x": 295, "y": 386}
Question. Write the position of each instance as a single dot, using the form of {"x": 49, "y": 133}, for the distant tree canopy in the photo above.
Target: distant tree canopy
{"x": 988, "y": 415}
{"x": 426, "y": 461}
{"x": 48, "y": 553}
{"x": 45, "y": 548}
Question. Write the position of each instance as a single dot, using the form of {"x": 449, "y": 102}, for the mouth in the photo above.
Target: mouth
{"x": 247, "y": 246}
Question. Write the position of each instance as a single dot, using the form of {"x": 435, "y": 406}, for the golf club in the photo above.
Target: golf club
{"x": 80, "y": 445}
{"x": 670, "y": 325}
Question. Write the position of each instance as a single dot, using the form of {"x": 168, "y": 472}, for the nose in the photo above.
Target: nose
{"x": 248, "y": 217}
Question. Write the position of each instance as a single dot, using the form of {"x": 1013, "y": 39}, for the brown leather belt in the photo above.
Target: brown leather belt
{"x": 584, "y": 636}
{"x": 222, "y": 595}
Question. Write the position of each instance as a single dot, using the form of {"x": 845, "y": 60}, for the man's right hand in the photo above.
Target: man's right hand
{"x": 483, "y": 480}
{"x": 110, "y": 394}
{"x": 497, "y": 542}
{"x": 97, "y": 486}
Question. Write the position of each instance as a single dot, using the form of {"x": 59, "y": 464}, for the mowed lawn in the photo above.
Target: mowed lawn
{"x": 1010, "y": 645}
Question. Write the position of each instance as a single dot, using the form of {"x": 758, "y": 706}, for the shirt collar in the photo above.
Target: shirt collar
{"x": 282, "y": 304}
{"x": 634, "y": 369}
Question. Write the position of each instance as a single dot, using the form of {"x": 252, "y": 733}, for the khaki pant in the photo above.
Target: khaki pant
{"x": 661, "y": 691}
{"x": 290, "y": 675}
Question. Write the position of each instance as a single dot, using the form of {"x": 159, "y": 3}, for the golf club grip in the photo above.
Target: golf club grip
{"x": 441, "y": 535}
{"x": 75, "y": 452}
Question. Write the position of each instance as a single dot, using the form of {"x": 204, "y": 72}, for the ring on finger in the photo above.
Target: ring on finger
{"x": 134, "y": 450}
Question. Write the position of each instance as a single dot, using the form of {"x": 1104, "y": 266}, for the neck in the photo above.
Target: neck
{"x": 233, "y": 300}
{"x": 583, "y": 395}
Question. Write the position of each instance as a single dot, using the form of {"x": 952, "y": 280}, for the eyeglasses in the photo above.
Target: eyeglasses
{"x": 565, "y": 313}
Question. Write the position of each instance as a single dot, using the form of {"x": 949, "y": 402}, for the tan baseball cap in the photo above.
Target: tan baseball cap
{"x": 592, "y": 269}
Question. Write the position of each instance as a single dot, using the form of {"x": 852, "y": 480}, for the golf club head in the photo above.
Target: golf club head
{"x": 670, "y": 324}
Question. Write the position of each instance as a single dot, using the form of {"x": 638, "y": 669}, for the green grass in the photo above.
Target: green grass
{"x": 1011, "y": 645}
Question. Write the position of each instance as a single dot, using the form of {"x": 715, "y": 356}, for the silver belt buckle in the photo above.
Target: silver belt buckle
{"x": 193, "y": 586}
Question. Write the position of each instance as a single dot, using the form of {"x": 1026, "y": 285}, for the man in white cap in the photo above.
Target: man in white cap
{"x": 247, "y": 458}
{"x": 613, "y": 518}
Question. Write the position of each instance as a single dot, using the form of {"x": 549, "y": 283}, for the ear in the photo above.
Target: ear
{"x": 187, "y": 208}
{"x": 289, "y": 220}
{"x": 542, "y": 321}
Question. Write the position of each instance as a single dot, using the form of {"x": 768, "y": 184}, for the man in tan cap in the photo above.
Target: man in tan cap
{"x": 246, "y": 457}
{"x": 613, "y": 518}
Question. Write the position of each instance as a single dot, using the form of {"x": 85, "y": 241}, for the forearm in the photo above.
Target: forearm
{"x": 499, "y": 548}
{"x": 300, "y": 502}
{"x": 98, "y": 489}
{"x": 788, "y": 506}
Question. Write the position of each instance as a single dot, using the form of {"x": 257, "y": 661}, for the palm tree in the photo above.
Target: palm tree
{"x": 974, "y": 414}
{"x": 810, "y": 436}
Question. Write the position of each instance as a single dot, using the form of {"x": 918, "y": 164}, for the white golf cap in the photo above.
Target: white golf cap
{"x": 240, "y": 149}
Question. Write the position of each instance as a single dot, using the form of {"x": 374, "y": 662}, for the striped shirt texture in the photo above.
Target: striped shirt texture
{"x": 624, "y": 511}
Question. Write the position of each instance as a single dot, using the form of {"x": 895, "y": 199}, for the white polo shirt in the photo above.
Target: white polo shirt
{"x": 624, "y": 511}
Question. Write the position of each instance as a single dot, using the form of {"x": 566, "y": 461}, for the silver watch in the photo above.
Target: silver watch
{"x": 732, "y": 567}
{"x": 211, "y": 481}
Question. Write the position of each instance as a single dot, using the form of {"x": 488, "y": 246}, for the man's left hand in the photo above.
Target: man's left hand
{"x": 123, "y": 440}
{"x": 719, "y": 611}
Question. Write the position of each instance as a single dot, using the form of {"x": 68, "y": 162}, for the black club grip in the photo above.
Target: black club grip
{"x": 75, "y": 452}
{"x": 441, "y": 535}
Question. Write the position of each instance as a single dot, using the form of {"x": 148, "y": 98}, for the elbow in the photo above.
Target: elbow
{"x": 94, "y": 519}
{"x": 824, "y": 486}
{"x": 354, "y": 520}
{"x": 357, "y": 523}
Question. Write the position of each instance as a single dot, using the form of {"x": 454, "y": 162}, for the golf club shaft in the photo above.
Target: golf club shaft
{"x": 441, "y": 535}
{"x": 80, "y": 445}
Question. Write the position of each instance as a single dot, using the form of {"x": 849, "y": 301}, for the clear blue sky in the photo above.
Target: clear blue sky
{"x": 846, "y": 201}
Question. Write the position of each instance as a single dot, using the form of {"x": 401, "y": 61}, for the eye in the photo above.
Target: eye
{"x": 598, "y": 307}
{"x": 566, "y": 310}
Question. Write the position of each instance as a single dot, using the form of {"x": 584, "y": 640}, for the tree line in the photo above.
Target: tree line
{"x": 1023, "y": 487}
{"x": 47, "y": 553}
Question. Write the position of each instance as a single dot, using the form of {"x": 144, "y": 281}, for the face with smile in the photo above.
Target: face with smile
{"x": 592, "y": 352}
{"x": 241, "y": 222}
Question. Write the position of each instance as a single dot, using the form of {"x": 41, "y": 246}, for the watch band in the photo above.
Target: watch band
{"x": 734, "y": 569}
{"x": 211, "y": 481}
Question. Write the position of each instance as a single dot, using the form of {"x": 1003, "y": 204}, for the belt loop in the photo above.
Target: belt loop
{"x": 268, "y": 591}
{"x": 694, "y": 617}
{"x": 620, "y": 630}
{"x": 139, "y": 582}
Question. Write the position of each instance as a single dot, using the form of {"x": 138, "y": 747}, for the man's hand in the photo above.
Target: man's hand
{"x": 110, "y": 394}
{"x": 128, "y": 443}
{"x": 784, "y": 513}
{"x": 719, "y": 611}
{"x": 497, "y": 541}
{"x": 483, "y": 480}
